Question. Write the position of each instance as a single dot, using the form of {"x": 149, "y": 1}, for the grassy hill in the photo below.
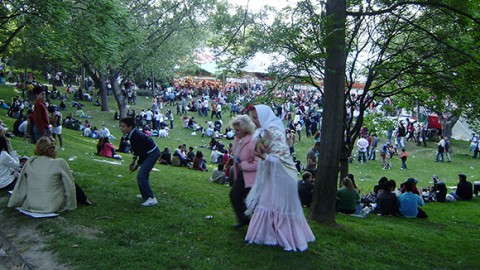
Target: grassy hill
{"x": 117, "y": 233}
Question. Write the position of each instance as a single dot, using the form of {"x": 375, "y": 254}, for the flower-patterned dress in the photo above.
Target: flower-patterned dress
{"x": 278, "y": 217}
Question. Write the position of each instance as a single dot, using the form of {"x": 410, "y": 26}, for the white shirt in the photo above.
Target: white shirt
{"x": 8, "y": 163}
{"x": 362, "y": 144}
{"x": 23, "y": 127}
{"x": 87, "y": 132}
{"x": 209, "y": 131}
{"x": 104, "y": 132}
{"x": 148, "y": 115}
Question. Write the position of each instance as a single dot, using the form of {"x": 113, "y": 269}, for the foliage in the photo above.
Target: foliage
{"x": 378, "y": 123}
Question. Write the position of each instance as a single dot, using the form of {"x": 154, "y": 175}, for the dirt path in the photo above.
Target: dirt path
{"x": 21, "y": 243}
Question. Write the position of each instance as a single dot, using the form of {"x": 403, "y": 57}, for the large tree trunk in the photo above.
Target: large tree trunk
{"x": 323, "y": 208}
{"x": 99, "y": 79}
{"x": 119, "y": 97}
{"x": 447, "y": 124}
{"x": 344, "y": 160}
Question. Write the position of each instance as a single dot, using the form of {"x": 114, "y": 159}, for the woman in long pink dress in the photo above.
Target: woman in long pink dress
{"x": 278, "y": 217}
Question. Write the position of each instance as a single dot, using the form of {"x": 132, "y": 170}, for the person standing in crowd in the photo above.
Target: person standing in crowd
{"x": 373, "y": 149}
{"x": 464, "y": 190}
{"x": 401, "y": 132}
{"x": 56, "y": 125}
{"x": 473, "y": 143}
{"x": 278, "y": 217}
{"x": 440, "y": 150}
{"x": 447, "y": 148}
{"x": 403, "y": 157}
{"x": 145, "y": 155}
{"x": 245, "y": 166}
{"x": 362, "y": 145}
{"x": 40, "y": 115}
{"x": 312, "y": 156}
{"x": 290, "y": 134}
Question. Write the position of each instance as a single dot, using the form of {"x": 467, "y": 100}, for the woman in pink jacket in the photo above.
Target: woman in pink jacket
{"x": 107, "y": 149}
{"x": 245, "y": 166}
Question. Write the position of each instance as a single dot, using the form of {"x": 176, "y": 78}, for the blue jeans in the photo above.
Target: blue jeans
{"x": 372, "y": 154}
{"x": 401, "y": 142}
{"x": 144, "y": 173}
{"x": 439, "y": 155}
{"x": 362, "y": 156}
{"x": 37, "y": 135}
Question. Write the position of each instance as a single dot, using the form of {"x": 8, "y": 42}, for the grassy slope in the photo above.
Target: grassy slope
{"x": 117, "y": 233}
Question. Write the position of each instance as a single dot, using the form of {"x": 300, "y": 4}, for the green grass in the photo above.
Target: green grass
{"x": 117, "y": 233}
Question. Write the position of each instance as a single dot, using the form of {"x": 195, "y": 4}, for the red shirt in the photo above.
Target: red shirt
{"x": 40, "y": 116}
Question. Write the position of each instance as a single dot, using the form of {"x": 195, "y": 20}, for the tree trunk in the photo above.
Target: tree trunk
{"x": 99, "y": 79}
{"x": 344, "y": 159}
{"x": 119, "y": 97}
{"x": 447, "y": 125}
{"x": 104, "y": 94}
{"x": 323, "y": 208}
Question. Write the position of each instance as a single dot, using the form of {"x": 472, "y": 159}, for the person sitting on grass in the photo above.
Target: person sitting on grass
{"x": 414, "y": 188}
{"x": 305, "y": 189}
{"x": 9, "y": 163}
{"x": 165, "y": 157}
{"x": 106, "y": 149}
{"x": 179, "y": 158}
{"x": 408, "y": 203}
{"x": 386, "y": 200}
{"x": 464, "y": 190}
{"x": 49, "y": 190}
{"x": 348, "y": 197}
{"x": 190, "y": 154}
{"x": 218, "y": 175}
{"x": 80, "y": 113}
{"x": 199, "y": 162}
{"x": 124, "y": 146}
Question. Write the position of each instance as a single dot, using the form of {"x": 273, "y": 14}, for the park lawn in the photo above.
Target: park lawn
{"x": 117, "y": 233}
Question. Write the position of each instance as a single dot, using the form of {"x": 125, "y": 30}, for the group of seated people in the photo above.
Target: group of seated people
{"x": 196, "y": 161}
{"x": 386, "y": 199}
{"x": 213, "y": 129}
{"x": 183, "y": 158}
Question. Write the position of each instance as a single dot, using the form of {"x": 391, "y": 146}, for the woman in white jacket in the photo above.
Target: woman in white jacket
{"x": 9, "y": 164}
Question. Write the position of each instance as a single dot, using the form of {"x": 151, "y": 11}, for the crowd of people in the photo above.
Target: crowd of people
{"x": 259, "y": 164}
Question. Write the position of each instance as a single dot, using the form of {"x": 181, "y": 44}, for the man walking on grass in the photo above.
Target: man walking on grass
{"x": 146, "y": 151}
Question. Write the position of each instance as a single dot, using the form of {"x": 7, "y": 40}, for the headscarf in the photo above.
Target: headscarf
{"x": 267, "y": 119}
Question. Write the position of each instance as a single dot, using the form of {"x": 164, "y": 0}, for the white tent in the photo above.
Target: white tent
{"x": 461, "y": 130}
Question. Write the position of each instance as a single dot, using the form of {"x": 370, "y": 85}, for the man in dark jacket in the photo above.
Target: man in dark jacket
{"x": 464, "y": 189}
{"x": 146, "y": 151}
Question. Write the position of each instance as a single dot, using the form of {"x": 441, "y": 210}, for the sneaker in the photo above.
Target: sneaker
{"x": 150, "y": 202}
{"x": 138, "y": 196}
{"x": 61, "y": 148}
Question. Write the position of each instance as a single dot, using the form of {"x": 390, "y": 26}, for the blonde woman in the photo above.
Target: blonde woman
{"x": 46, "y": 183}
{"x": 245, "y": 166}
